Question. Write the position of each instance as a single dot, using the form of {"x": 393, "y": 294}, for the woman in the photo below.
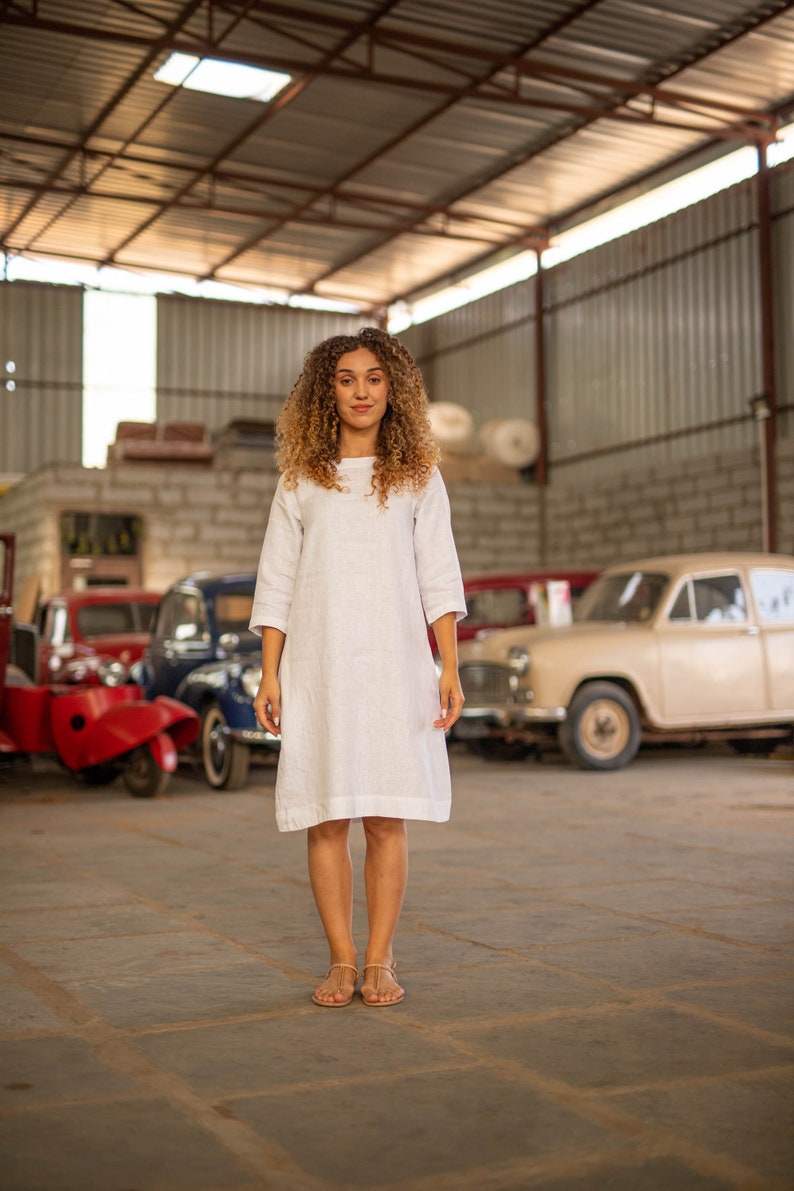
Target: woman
{"x": 357, "y": 556}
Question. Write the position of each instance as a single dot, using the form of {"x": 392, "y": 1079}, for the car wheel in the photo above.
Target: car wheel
{"x": 225, "y": 761}
{"x": 143, "y": 777}
{"x": 602, "y": 728}
{"x": 500, "y": 750}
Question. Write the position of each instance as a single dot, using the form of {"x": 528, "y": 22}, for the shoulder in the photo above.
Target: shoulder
{"x": 434, "y": 487}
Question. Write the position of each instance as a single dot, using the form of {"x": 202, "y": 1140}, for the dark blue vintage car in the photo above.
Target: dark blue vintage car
{"x": 202, "y": 653}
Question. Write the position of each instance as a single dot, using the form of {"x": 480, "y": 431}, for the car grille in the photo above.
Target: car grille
{"x": 482, "y": 682}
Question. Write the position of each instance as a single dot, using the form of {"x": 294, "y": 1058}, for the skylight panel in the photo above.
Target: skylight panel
{"x": 218, "y": 77}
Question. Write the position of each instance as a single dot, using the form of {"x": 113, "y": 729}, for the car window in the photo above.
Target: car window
{"x": 191, "y": 620}
{"x": 719, "y": 598}
{"x": 100, "y": 620}
{"x": 143, "y": 615}
{"x": 182, "y": 617}
{"x": 496, "y": 605}
{"x": 233, "y": 611}
{"x": 774, "y": 595}
{"x": 626, "y": 596}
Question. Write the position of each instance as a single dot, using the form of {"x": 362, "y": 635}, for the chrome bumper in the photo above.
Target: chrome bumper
{"x": 509, "y": 715}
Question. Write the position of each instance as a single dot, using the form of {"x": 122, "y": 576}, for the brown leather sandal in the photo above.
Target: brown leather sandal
{"x": 391, "y": 972}
{"x": 337, "y": 1004}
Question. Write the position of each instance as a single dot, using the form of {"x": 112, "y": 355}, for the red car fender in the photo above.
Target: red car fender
{"x": 162, "y": 749}
{"x": 94, "y": 725}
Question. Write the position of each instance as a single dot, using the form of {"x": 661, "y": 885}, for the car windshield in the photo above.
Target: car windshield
{"x": 626, "y": 596}
{"x": 103, "y": 620}
{"x": 233, "y": 611}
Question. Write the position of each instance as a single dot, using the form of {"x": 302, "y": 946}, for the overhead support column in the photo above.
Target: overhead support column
{"x": 765, "y": 406}
{"x": 542, "y": 464}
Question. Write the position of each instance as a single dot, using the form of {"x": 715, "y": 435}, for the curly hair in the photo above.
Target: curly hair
{"x": 307, "y": 430}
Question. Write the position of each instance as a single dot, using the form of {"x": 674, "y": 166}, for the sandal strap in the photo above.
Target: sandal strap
{"x": 381, "y": 968}
{"x": 350, "y": 966}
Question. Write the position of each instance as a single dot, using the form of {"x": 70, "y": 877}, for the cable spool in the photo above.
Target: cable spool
{"x": 512, "y": 441}
{"x": 452, "y": 426}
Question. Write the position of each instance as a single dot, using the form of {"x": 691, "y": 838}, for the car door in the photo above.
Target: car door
{"x": 773, "y": 595}
{"x": 711, "y": 654}
{"x": 181, "y": 639}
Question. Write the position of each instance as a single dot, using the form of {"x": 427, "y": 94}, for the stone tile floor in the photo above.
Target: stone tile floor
{"x": 599, "y": 973}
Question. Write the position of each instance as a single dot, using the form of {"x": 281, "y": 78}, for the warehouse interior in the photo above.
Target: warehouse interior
{"x": 414, "y": 154}
{"x": 608, "y": 379}
{"x": 410, "y": 155}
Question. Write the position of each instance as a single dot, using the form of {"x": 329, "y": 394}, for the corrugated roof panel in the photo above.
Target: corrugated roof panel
{"x": 513, "y": 165}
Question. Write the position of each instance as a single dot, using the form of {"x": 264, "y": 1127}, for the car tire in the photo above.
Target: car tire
{"x": 224, "y": 761}
{"x": 602, "y": 728}
{"x": 143, "y": 777}
{"x": 500, "y": 750}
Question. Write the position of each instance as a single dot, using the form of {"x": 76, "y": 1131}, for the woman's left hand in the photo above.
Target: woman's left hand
{"x": 451, "y": 697}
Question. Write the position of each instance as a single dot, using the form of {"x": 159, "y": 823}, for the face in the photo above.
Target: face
{"x": 361, "y": 390}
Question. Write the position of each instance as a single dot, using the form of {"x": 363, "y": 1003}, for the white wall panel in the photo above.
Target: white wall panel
{"x": 41, "y": 331}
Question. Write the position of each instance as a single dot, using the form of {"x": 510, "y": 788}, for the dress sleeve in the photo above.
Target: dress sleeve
{"x": 437, "y": 566}
{"x": 278, "y": 563}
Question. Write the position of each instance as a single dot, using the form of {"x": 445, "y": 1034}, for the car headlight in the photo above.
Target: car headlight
{"x": 112, "y": 673}
{"x": 518, "y": 659}
{"x": 251, "y": 679}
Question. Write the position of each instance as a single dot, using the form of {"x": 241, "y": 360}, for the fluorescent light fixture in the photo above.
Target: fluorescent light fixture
{"x": 655, "y": 205}
{"x": 221, "y": 78}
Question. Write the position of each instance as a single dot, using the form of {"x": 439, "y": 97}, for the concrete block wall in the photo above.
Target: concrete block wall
{"x": 213, "y": 518}
{"x": 707, "y": 503}
{"x": 194, "y": 518}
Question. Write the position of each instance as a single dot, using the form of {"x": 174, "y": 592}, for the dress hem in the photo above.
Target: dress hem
{"x": 310, "y": 816}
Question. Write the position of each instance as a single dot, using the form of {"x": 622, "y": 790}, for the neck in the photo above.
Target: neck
{"x": 358, "y": 446}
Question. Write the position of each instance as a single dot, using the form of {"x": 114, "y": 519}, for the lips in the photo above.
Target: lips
{"x": 362, "y": 409}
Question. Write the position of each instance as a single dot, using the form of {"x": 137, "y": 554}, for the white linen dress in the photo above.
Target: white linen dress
{"x": 351, "y": 585}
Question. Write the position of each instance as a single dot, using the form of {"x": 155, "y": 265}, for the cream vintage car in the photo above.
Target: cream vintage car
{"x": 684, "y": 647}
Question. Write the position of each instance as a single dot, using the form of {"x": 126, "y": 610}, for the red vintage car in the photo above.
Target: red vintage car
{"x": 505, "y": 600}
{"x": 95, "y": 731}
{"x": 94, "y": 635}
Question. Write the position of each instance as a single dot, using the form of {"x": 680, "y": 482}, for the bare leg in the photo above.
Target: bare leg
{"x": 385, "y": 877}
{"x": 331, "y": 876}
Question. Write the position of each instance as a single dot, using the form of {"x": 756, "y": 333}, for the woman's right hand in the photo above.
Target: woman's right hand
{"x": 267, "y": 704}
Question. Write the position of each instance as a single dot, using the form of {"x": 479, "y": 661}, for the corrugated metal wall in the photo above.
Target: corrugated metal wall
{"x": 41, "y": 331}
{"x": 222, "y": 360}
{"x": 783, "y": 255}
{"x": 655, "y": 336}
{"x": 482, "y": 356}
{"x": 652, "y": 341}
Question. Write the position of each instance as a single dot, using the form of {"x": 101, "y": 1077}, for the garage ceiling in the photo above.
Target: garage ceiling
{"x": 416, "y": 138}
